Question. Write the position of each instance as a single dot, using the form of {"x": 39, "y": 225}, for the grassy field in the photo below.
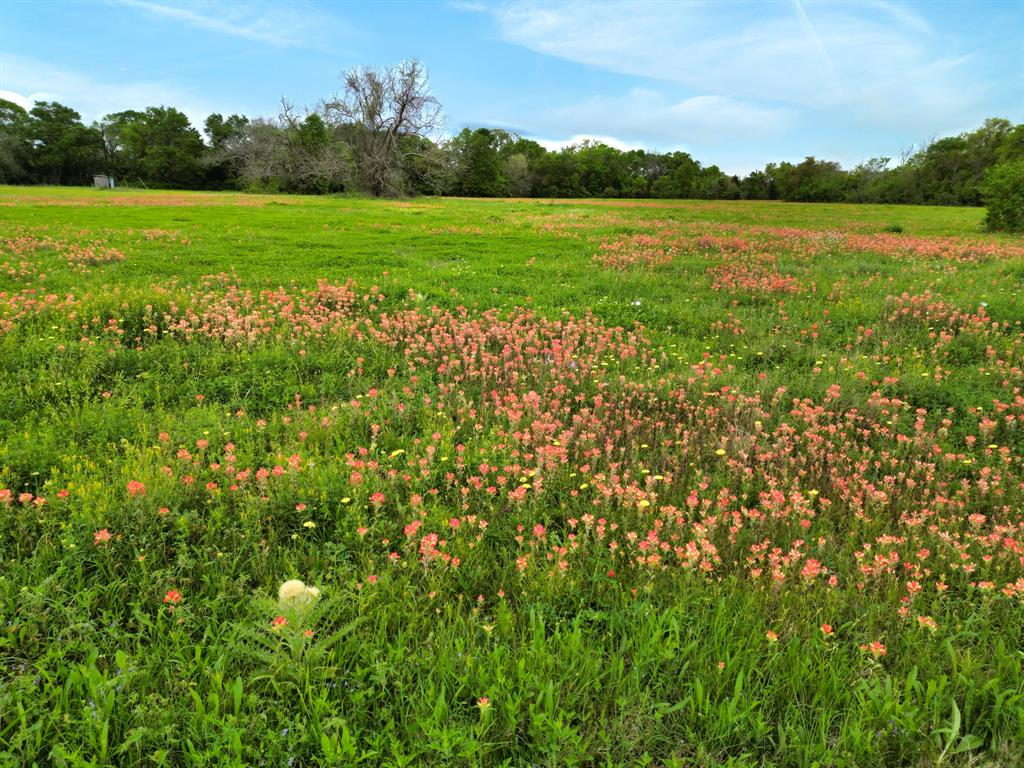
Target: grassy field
{"x": 593, "y": 483}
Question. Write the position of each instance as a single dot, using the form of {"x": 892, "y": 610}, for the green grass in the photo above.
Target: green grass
{"x": 842, "y": 424}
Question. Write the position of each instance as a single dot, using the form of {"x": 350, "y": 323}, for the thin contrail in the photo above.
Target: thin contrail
{"x": 826, "y": 59}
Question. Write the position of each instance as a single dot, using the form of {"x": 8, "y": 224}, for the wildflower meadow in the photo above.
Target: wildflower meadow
{"x": 292, "y": 481}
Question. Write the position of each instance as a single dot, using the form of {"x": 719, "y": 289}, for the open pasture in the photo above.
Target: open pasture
{"x": 601, "y": 483}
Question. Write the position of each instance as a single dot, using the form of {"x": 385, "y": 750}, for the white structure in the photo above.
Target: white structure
{"x": 102, "y": 181}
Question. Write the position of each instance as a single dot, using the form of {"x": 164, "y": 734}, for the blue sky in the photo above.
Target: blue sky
{"x": 734, "y": 83}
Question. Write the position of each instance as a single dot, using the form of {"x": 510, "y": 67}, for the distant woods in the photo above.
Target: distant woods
{"x": 381, "y": 136}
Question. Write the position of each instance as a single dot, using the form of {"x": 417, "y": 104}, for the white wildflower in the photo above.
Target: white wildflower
{"x": 295, "y": 593}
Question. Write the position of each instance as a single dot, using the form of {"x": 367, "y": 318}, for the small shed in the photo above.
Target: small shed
{"x": 103, "y": 181}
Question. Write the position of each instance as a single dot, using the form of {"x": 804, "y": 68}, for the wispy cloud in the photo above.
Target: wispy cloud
{"x": 819, "y": 44}
{"x": 879, "y": 62}
{"x": 278, "y": 24}
{"x": 31, "y": 80}
{"x": 467, "y": 5}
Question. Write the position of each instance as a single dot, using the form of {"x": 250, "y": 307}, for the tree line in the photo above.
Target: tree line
{"x": 379, "y": 137}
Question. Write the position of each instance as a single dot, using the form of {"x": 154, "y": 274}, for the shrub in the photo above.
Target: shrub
{"x": 1004, "y": 196}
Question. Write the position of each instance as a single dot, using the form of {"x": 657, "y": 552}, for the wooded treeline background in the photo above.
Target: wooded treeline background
{"x": 380, "y": 138}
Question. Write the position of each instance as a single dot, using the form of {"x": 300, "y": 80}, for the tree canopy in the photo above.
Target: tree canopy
{"x": 381, "y": 136}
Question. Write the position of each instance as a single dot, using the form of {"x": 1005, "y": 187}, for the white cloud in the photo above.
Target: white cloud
{"x": 40, "y": 81}
{"x": 579, "y": 138}
{"x": 878, "y": 63}
{"x": 646, "y": 115}
{"x": 278, "y": 23}
{"x": 24, "y": 101}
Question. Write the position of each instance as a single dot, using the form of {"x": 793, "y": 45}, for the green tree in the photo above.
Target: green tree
{"x": 157, "y": 145}
{"x": 1004, "y": 195}
{"x": 759, "y": 185}
{"x": 679, "y": 177}
{"x": 515, "y": 170}
{"x": 519, "y": 160}
{"x": 119, "y": 158}
{"x": 224, "y": 137}
{"x": 951, "y": 171}
{"x": 558, "y": 175}
{"x": 714, "y": 184}
{"x": 477, "y": 162}
{"x": 63, "y": 151}
{"x": 220, "y": 132}
{"x": 172, "y": 148}
{"x": 812, "y": 181}
{"x": 604, "y": 171}
{"x": 1012, "y": 147}
{"x": 14, "y": 146}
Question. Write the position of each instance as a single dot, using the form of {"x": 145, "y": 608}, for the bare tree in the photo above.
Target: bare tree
{"x": 386, "y": 115}
{"x": 253, "y": 155}
{"x": 315, "y": 160}
{"x": 289, "y": 153}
